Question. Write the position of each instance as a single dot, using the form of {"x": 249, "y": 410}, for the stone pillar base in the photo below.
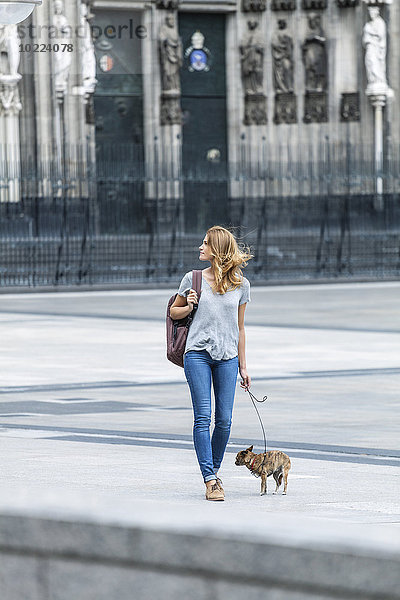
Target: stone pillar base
{"x": 350, "y": 107}
{"x": 170, "y": 112}
{"x": 285, "y": 108}
{"x": 315, "y": 107}
{"x": 255, "y": 109}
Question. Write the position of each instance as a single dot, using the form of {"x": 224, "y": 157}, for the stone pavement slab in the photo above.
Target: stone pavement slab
{"x": 89, "y": 403}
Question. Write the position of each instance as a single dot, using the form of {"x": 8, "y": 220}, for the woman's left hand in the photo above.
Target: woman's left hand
{"x": 246, "y": 383}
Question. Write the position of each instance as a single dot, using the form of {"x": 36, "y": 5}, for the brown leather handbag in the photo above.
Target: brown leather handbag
{"x": 177, "y": 330}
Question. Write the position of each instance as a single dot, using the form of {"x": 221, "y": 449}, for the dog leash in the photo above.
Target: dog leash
{"x": 254, "y": 400}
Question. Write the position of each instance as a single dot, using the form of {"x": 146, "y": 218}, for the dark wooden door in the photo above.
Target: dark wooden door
{"x": 204, "y": 144}
{"x": 118, "y": 105}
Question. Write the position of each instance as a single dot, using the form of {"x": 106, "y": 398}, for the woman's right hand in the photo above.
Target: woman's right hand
{"x": 192, "y": 299}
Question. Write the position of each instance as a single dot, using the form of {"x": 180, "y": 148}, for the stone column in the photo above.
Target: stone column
{"x": 87, "y": 60}
{"x": 62, "y": 62}
{"x": 378, "y": 90}
{"x": 44, "y": 100}
{"x": 247, "y": 45}
{"x": 378, "y": 102}
{"x": 162, "y": 118}
{"x": 74, "y": 104}
{"x": 10, "y": 107}
{"x": 59, "y": 136}
{"x": 10, "y": 160}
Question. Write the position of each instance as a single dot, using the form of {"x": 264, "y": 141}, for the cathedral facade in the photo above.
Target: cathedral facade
{"x": 164, "y": 117}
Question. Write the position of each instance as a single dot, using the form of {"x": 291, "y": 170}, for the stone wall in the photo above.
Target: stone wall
{"x": 149, "y": 551}
{"x": 264, "y": 125}
{"x": 349, "y": 114}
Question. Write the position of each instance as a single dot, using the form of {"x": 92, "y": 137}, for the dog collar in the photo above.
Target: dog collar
{"x": 252, "y": 463}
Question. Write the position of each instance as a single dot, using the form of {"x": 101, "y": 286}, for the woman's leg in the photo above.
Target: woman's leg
{"x": 224, "y": 375}
{"x": 198, "y": 374}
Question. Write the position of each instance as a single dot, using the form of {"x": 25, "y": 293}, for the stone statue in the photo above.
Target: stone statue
{"x": 252, "y": 58}
{"x": 282, "y": 56}
{"x": 88, "y": 57}
{"x": 374, "y": 42}
{"x": 171, "y": 55}
{"x": 9, "y": 45}
{"x": 62, "y": 60}
{"x": 314, "y": 56}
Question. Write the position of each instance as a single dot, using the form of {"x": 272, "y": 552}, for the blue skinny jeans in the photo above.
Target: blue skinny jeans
{"x": 200, "y": 369}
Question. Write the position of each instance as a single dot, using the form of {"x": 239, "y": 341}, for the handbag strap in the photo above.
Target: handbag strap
{"x": 196, "y": 281}
{"x": 196, "y": 285}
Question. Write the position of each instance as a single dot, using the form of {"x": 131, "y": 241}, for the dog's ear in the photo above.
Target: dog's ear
{"x": 250, "y": 449}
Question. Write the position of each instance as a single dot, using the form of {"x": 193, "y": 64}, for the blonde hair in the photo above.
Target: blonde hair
{"x": 228, "y": 258}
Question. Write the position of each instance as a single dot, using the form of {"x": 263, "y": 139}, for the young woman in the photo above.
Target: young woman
{"x": 215, "y": 346}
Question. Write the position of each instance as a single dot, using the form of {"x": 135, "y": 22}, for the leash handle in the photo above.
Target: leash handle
{"x": 254, "y": 400}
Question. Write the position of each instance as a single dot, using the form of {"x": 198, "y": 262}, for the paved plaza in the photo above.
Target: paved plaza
{"x": 89, "y": 404}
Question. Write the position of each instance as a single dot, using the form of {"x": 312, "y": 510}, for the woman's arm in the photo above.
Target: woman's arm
{"x": 242, "y": 348}
{"x": 182, "y": 307}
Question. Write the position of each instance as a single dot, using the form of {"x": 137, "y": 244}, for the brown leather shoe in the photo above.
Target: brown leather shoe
{"x": 213, "y": 492}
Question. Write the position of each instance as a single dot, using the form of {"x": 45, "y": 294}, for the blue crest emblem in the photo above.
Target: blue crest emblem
{"x": 198, "y": 60}
{"x": 198, "y": 54}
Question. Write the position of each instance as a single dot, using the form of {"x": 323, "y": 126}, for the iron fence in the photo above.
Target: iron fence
{"x": 121, "y": 219}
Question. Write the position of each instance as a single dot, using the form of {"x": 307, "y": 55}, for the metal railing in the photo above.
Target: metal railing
{"x": 122, "y": 220}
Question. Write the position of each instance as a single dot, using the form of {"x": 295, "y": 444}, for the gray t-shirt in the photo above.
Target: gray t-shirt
{"x": 215, "y": 323}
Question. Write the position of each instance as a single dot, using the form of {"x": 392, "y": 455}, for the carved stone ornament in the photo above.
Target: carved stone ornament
{"x": 197, "y": 54}
{"x": 314, "y": 4}
{"x": 285, "y": 108}
{"x": 170, "y": 112}
{"x": 255, "y": 109}
{"x": 350, "y": 107}
{"x": 254, "y": 5}
{"x": 283, "y": 5}
{"x": 10, "y": 103}
{"x": 347, "y": 3}
{"x": 315, "y": 107}
{"x": 168, "y": 4}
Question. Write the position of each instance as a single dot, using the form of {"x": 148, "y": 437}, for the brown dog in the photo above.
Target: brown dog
{"x": 263, "y": 465}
